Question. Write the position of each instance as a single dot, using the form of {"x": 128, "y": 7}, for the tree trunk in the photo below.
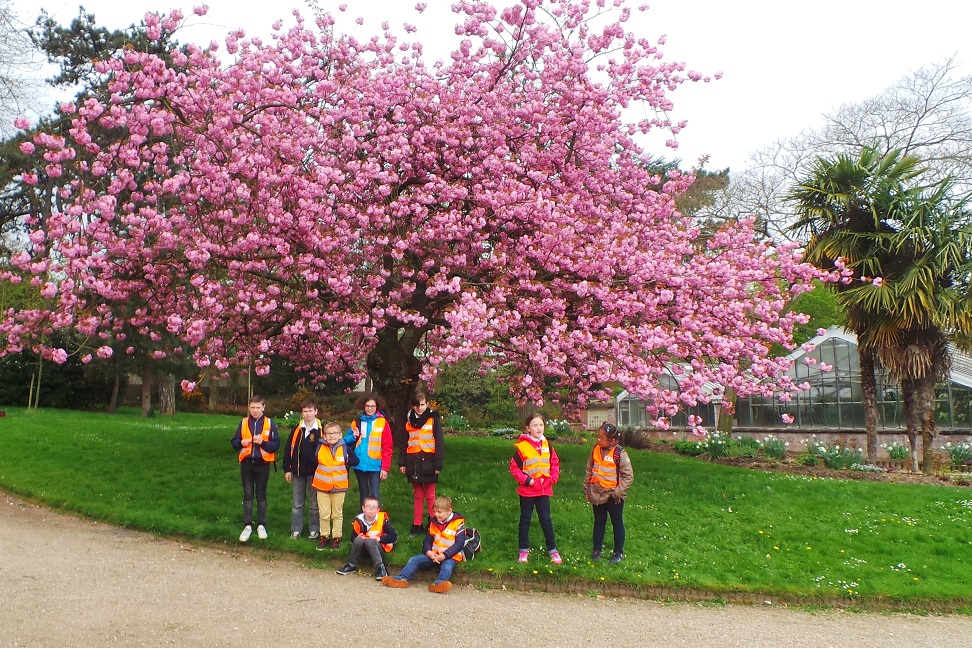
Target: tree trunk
{"x": 167, "y": 397}
{"x": 147, "y": 389}
{"x": 113, "y": 401}
{"x": 724, "y": 423}
{"x": 910, "y": 401}
{"x": 213, "y": 392}
{"x": 394, "y": 371}
{"x": 869, "y": 402}
{"x": 926, "y": 422}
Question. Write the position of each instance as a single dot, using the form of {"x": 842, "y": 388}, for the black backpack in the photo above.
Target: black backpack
{"x": 472, "y": 545}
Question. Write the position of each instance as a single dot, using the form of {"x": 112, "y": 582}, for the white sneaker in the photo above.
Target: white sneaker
{"x": 247, "y": 532}
{"x": 314, "y": 535}
{"x": 261, "y": 532}
{"x": 294, "y": 535}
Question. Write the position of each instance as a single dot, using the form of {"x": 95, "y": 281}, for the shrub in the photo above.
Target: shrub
{"x": 690, "y": 448}
{"x": 717, "y": 445}
{"x": 960, "y": 454}
{"x": 897, "y": 451}
{"x": 774, "y": 447}
{"x": 556, "y": 428}
{"x": 807, "y": 459}
{"x": 868, "y": 468}
{"x": 838, "y": 457}
{"x": 456, "y": 422}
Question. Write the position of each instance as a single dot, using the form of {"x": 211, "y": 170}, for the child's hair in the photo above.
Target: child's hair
{"x": 611, "y": 431}
{"x": 370, "y": 498}
{"x": 329, "y": 425}
{"x": 367, "y": 396}
{"x": 419, "y": 397}
{"x": 442, "y": 503}
{"x": 529, "y": 419}
{"x": 257, "y": 399}
{"x": 308, "y": 404}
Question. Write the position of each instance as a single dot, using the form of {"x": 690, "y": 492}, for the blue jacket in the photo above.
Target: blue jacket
{"x": 365, "y": 463}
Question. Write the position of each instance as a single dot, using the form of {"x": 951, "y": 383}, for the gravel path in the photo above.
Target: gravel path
{"x": 70, "y": 582}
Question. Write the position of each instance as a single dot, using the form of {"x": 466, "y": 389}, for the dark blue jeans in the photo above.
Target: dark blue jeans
{"x": 421, "y": 561}
{"x": 542, "y": 504}
{"x": 601, "y": 512}
{"x": 255, "y": 478}
{"x": 368, "y": 484}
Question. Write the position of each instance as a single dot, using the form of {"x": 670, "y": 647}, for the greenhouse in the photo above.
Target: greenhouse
{"x": 833, "y": 400}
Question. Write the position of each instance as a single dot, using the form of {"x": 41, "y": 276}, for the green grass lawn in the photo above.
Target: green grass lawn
{"x": 690, "y": 524}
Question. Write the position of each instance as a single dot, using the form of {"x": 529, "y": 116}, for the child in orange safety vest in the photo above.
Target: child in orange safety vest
{"x": 256, "y": 441}
{"x": 374, "y": 534}
{"x": 331, "y": 483}
{"x": 606, "y": 483}
{"x": 536, "y": 468}
{"x": 442, "y": 548}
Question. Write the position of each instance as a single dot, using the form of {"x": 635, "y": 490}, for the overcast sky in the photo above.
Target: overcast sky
{"x": 784, "y": 62}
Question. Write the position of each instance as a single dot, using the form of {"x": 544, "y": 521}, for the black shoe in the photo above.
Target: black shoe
{"x": 380, "y": 572}
{"x": 417, "y": 530}
{"x": 596, "y": 555}
{"x": 615, "y": 559}
{"x": 347, "y": 569}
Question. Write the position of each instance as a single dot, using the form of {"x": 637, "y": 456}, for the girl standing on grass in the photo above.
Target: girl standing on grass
{"x": 606, "y": 483}
{"x": 536, "y": 468}
{"x": 371, "y": 437}
{"x": 420, "y": 458}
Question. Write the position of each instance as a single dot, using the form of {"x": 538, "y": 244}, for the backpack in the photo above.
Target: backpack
{"x": 472, "y": 545}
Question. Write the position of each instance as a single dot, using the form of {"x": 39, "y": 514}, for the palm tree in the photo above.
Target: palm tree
{"x": 915, "y": 243}
{"x": 841, "y": 200}
{"x": 922, "y": 302}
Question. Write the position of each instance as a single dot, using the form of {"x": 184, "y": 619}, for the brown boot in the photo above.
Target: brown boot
{"x": 388, "y": 581}
{"x": 440, "y": 588}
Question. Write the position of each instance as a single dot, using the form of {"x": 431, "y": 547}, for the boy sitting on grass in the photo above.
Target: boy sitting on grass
{"x": 442, "y": 548}
{"x": 374, "y": 534}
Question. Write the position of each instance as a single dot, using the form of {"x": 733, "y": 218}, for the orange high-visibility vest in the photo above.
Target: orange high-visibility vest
{"x": 375, "y": 530}
{"x": 535, "y": 464}
{"x": 420, "y": 439}
{"x": 331, "y": 473}
{"x": 445, "y": 537}
{"x": 246, "y": 434}
{"x": 604, "y": 470}
{"x": 374, "y": 439}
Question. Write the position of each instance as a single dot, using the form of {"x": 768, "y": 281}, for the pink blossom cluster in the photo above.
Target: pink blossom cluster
{"x": 317, "y": 191}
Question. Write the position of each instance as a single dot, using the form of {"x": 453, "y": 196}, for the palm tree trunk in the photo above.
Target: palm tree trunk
{"x": 926, "y": 422}
{"x": 869, "y": 402}
{"x": 909, "y": 398}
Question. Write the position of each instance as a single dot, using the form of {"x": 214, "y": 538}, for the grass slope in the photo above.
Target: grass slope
{"x": 690, "y": 524}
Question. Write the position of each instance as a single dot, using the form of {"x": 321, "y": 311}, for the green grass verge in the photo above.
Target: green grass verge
{"x": 691, "y": 524}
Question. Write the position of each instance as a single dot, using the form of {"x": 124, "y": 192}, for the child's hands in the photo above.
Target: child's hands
{"x": 245, "y": 443}
{"x": 258, "y": 440}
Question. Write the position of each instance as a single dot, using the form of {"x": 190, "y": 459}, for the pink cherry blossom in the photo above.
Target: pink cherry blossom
{"x": 787, "y": 418}
{"x": 320, "y": 198}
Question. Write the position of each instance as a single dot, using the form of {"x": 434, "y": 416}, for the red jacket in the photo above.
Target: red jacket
{"x": 538, "y": 487}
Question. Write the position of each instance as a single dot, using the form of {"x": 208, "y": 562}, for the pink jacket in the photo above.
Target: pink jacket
{"x": 539, "y": 487}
